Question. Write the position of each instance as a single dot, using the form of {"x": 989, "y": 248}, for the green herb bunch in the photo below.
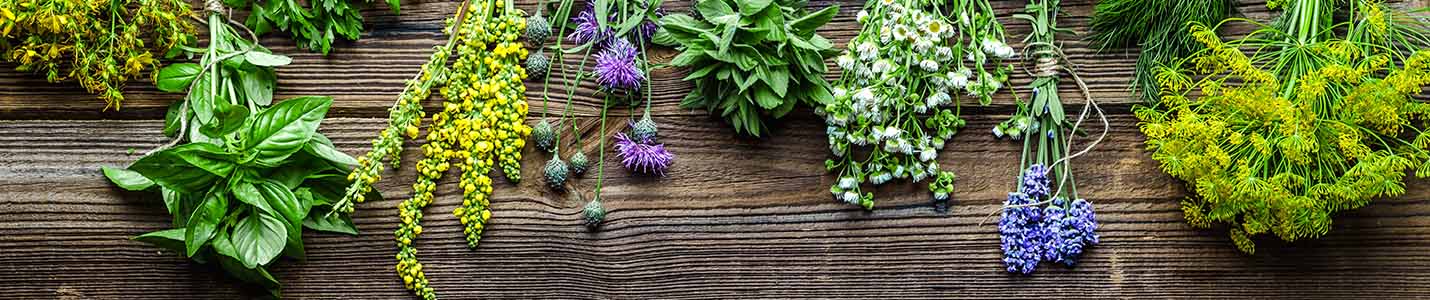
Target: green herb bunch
{"x": 1319, "y": 119}
{"x": 1158, "y": 28}
{"x": 751, "y": 59}
{"x": 314, "y": 26}
{"x": 904, "y": 77}
{"x": 481, "y": 126}
{"x": 101, "y": 44}
{"x": 250, "y": 176}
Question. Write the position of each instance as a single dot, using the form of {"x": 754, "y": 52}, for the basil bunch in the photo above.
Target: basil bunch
{"x": 751, "y": 58}
{"x": 250, "y": 178}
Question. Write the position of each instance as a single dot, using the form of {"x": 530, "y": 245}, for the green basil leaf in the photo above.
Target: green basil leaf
{"x": 258, "y": 238}
{"x": 127, "y": 179}
{"x": 282, "y": 200}
{"x": 283, "y": 129}
{"x": 208, "y": 157}
{"x": 265, "y": 59}
{"x": 778, "y": 80}
{"x": 204, "y": 220}
{"x": 248, "y": 193}
{"x": 711, "y": 9}
{"x": 227, "y": 119}
{"x": 293, "y": 247}
{"x": 339, "y": 223}
{"x": 172, "y": 201}
{"x": 258, "y": 84}
{"x": 175, "y": 78}
{"x": 172, "y": 239}
{"x": 320, "y": 146}
{"x": 175, "y": 168}
{"x": 690, "y": 57}
{"x": 752, "y": 7}
{"x": 172, "y": 118}
{"x": 199, "y": 99}
{"x": 808, "y": 23}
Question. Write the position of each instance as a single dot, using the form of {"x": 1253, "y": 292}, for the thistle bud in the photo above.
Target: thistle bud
{"x": 537, "y": 29}
{"x": 543, "y": 134}
{"x": 645, "y": 129}
{"x": 594, "y": 213}
{"x": 538, "y": 64}
{"x": 579, "y": 163}
{"x": 556, "y": 173}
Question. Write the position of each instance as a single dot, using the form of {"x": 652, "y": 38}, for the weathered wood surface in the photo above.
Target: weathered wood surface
{"x": 736, "y": 218}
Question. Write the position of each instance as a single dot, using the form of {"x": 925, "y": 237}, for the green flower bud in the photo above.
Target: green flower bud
{"x": 579, "y": 163}
{"x": 556, "y": 173}
{"x": 644, "y": 130}
{"x": 538, "y": 64}
{"x": 537, "y": 29}
{"x": 543, "y": 134}
{"x": 594, "y": 213}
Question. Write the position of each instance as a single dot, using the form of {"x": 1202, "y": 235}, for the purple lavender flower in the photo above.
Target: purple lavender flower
{"x": 643, "y": 156}
{"x": 616, "y": 67}
{"x": 1035, "y": 182}
{"x": 1072, "y": 230}
{"x": 588, "y": 29}
{"x": 1021, "y": 233}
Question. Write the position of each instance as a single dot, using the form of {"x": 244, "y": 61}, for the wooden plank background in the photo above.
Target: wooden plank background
{"x": 736, "y": 218}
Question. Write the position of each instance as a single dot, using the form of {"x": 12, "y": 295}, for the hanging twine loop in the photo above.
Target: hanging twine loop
{"x": 213, "y": 6}
{"x": 1050, "y": 61}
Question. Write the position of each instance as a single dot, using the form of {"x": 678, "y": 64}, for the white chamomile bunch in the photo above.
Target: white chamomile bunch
{"x": 904, "y": 76}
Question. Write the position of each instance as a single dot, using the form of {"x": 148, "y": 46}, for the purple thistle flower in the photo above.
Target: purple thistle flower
{"x": 643, "y": 156}
{"x": 616, "y": 67}
{"x": 588, "y": 29}
{"x": 1021, "y": 233}
{"x": 1035, "y": 182}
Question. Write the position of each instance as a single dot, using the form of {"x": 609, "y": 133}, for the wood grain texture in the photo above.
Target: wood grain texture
{"x": 736, "y": 218}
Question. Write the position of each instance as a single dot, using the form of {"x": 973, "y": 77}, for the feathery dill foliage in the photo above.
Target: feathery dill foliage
{"x": 481, "y": 126}
{"x": 751, "y": 60}
{"x": 1157, "y": 27}
{"x": 1319, "y": 120}
{"x": 101, "y": 44}
{"x": 911, "y": 61}
{"x": 313, "y": 23}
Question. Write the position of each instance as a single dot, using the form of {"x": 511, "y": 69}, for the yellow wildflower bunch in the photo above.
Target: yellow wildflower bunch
{"x": 481, "y": 125}
{"x": 1277, "y": 141}
{"x": 100, "y": 43}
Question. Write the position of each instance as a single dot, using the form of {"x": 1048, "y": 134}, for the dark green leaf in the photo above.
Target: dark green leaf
{"x": 175, "y": 78}
{"x": 127, "y": 179}
{"x": 200, "y": 102}
{"x": 258, "y": 238}
{"x": 227, "y": 119}
{"x": 752, "y": 7}
{"x": 318, "y": 148}
{"x": 690, "y": 57}
{"x": 778, "y": 80}
{"x": 283, "y": 129}
{"x": 808, "y": 23}
{"x": 248, "y": 193}
{"x": 282, "y": 200}
{"x": 172, "y": 239}
{"x": 204, "y": 221}
{"x": 258, "y": 84}
{"x": 711, "y": 9}
{"x": 173, "y": 201}
{"x": 173, "y": 118}
{"x": 339, "y": 223}
{"x": 766, "y": 98}
{"x": 184, "y": 168}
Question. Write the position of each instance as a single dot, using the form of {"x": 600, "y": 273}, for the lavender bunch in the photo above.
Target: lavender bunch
{"x": 1031, "y": 233}
{"x": 1039, "y": 223}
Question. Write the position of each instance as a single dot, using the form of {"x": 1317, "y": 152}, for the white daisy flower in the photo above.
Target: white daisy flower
{"x": 862, "y": 16}
{"x": 927, "y": 154}
{"x": 944, "y": 54}
{"x": 864, "y": 94}
{"x": 929, "y": 65}
{"x": 867, "y": 51}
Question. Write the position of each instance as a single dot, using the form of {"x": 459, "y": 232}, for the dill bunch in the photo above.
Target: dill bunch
{"x": 1157, "y": 27}
{"x": 101, "y": 44}
{"x": 1320, "y": 120}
